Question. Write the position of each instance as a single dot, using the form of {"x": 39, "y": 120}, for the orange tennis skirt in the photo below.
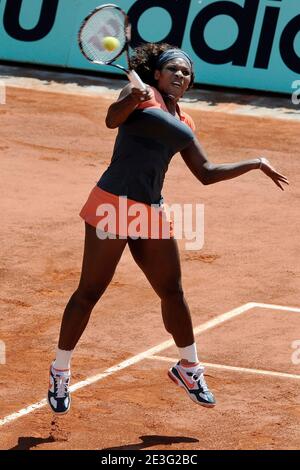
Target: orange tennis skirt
{"x": 118, "y": 215}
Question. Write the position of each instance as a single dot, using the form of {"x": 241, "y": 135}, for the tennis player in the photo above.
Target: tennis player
{"x": 151, "y": 129}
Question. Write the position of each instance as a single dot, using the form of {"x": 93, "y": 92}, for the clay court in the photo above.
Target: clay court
{"x": 242, "y": 287}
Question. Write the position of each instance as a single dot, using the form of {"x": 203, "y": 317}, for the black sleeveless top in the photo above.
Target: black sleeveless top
{"x": 144, "y": 146}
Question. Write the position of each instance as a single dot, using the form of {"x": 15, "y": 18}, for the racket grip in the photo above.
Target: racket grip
{"x": 135, "y": 80}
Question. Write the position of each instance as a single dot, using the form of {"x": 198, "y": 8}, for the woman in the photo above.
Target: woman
{"x": 152, "y": 128}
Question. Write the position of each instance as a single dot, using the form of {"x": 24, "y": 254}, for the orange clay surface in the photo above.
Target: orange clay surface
{"x": 53, "y": 149}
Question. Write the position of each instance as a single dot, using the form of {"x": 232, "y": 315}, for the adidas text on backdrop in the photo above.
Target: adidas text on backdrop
{"x": 193, "y": 382}
{"x": 59, "y": 398}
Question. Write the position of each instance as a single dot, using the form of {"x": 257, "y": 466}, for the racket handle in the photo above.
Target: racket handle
{"x": 135, "y": 80}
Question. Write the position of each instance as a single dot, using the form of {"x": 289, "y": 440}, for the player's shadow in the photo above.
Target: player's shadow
{"x": 151, "y": 441}
{"x": 27, "y": 443}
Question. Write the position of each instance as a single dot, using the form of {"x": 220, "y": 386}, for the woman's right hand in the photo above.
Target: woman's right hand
{"x": 127, "y": 102}
{"x": 138, "y": 96}
{"x": 268, "y": 169}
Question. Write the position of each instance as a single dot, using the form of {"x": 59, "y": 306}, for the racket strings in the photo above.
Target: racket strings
{"x": 106, "y": 22}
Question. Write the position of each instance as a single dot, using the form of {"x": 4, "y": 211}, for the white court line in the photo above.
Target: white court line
{"x": 133, "y": 360}
{"x": 276, "y": 307}
{"x": 139, "y": 357}
{"x": 232, "y": 368}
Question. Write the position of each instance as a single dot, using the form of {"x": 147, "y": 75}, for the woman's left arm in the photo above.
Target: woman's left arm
{"x": 210, "y": 173}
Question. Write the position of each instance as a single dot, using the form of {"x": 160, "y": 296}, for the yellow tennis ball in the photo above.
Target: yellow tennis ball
{"x": 110, "y": 43}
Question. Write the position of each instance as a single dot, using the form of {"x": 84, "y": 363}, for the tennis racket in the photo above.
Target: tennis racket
{"x": 107, "y": 20}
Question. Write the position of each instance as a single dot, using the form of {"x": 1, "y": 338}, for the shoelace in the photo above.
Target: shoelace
{"x": 198, "y": 377}
{"x": 201, "y": 381}
{"x": 61, "y": 382}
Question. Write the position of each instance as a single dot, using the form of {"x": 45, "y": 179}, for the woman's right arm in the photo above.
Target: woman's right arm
{"x": 127, "y": 102}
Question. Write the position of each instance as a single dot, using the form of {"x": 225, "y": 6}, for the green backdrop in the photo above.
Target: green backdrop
{"x": 238, "y": 43}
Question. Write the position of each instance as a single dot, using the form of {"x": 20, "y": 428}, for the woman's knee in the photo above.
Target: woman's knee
{"x": 172, "y": 293}
{"x": 88, "y": 296}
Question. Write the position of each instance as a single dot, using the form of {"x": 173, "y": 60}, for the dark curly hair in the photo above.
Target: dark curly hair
{"x": 144, "y": 60}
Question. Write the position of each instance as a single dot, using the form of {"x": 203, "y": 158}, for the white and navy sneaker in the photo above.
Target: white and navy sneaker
{"x": 193, "y": 382}
{"x": 59, "y": 398}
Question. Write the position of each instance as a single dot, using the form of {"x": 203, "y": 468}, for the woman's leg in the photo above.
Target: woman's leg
{"x": 99, "y": 263}
{"x": 159, "y": 260}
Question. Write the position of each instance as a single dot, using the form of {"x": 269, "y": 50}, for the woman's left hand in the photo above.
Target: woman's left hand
{"x": 267, "y": 168}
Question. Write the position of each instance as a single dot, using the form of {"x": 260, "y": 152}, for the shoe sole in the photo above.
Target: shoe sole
{"x": 59, "y": 412}
{"x": 177, "y": 382}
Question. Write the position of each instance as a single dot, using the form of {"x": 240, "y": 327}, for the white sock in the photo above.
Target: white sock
{"x": 63, "y": 360}
{"x": 189, "y": 353}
